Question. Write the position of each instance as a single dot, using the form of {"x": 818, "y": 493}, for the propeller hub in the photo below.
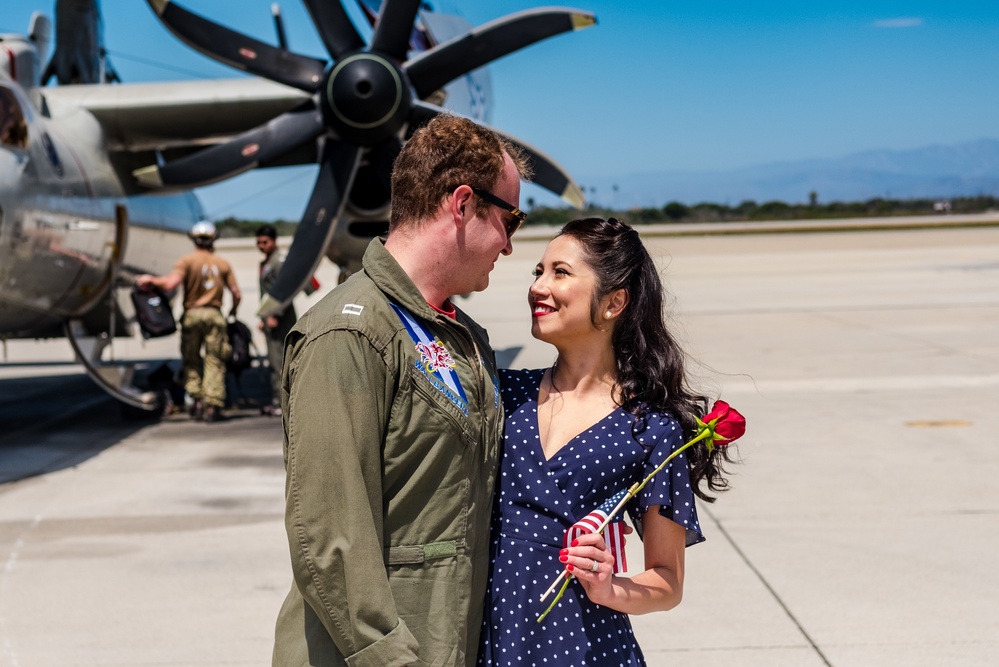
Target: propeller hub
{"x": 367, "y": 98}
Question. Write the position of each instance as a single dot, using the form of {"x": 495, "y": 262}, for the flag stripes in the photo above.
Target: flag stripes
{"x": 613, "y": 533}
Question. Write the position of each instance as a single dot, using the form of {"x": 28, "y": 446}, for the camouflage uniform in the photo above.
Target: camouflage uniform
{"x": 204, "y": 379}
{"x": 205, "y": 277}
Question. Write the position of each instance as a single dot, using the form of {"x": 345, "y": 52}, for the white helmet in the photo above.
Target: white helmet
{"x": 203, "y": 230}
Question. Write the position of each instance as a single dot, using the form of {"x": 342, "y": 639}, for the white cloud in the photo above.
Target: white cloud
{"x": 904, "y": 22}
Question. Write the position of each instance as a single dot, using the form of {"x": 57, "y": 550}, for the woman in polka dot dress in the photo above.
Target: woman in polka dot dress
{"x": 611, "y": 408}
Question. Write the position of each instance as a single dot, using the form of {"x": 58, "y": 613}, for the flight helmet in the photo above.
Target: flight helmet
{"x": 203, "y": 233}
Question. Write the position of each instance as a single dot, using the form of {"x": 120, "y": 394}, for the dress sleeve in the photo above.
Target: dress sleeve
{"x": 336, "y": 407}
{"x": 670, "y": 489}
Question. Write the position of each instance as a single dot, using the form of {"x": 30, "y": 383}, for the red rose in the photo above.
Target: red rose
{"x": 727, "y": 421}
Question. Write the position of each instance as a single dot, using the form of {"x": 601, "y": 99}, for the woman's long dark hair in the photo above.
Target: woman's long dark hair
{"x": 650, "y": 363}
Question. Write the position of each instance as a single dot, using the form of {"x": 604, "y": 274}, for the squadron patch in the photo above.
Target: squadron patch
{"x": 435, "y": 362}
{"x": 435, "y": 356}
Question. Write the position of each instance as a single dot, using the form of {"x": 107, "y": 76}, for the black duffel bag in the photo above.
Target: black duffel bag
{"x": 241, "y": 341}
{"x": 153, "y": 312}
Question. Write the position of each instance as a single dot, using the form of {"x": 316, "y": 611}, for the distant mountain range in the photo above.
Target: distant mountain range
{"x": 960, "y": 170}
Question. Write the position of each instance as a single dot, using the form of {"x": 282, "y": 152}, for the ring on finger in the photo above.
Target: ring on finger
{"x": 595, "y": 566}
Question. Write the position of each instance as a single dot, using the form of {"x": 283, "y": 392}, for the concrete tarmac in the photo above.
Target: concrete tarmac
{"x": 860, "y": 530}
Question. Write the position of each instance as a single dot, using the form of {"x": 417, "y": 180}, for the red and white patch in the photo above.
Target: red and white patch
{"x": 435, "y": 356}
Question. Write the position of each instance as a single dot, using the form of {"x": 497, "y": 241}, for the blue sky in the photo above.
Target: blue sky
{"x": 658, "y": 84}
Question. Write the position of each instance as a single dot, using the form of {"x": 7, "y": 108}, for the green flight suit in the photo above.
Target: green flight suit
{"x": 269, "y": 270}
{"x": 389, "y": 481}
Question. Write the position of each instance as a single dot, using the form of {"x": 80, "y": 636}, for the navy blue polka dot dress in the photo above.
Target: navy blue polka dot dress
{"x": 538, "y": 500}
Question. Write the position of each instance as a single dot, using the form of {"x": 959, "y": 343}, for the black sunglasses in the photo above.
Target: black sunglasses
{"x": 514, "y": 223}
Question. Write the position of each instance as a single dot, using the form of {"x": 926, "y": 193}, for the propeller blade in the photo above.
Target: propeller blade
{"x": 444, "y": 63}
{"x": 241, "y": 153}
{"x": 282, "y": 38}
{"x": 334, "y": 26}
{"x": 238, "y": 50}
{"x": 394, "y": 28}
{"x": 420, "y": 114}
{"x": 382, "y": 157}
{"x": 548, "y": 174}
{"x": 329, "y": 197}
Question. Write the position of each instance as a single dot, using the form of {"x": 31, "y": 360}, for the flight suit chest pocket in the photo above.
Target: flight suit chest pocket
{"x": 441, "y": 401}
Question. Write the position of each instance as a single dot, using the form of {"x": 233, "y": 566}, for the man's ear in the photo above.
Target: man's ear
{"x": 461, "y": 205}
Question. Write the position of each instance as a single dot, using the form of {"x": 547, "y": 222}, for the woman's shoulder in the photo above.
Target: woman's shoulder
{"x": 524, "y": 376}
{"x": 656, "y": 427}
{"x": 517, "y": 386}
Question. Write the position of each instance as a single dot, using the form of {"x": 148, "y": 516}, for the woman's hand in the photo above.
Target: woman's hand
{"x": 658, "y": 588}
{"x": 589, "y": 560}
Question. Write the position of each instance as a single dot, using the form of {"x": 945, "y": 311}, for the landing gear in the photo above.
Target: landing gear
{"x": 114, "y": 377}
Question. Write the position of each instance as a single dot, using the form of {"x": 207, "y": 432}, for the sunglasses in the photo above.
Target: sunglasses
{"x": 514, "y": 223}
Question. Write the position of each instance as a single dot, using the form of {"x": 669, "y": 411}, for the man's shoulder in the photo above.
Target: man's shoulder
{"x": 190, "y": 264}
{"x": 222, "y": 262}
{"x": 356, "y": 305}
{"x": 477, "y": 329}
{"x": 274, "y": 261}
{"x": 187, "y": 259}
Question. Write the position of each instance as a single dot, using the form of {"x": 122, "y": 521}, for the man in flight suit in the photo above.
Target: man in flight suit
{"x": 393, "y": 422}
{"x": 275, "y": 326}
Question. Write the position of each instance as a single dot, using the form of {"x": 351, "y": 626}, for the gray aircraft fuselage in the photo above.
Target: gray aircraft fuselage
{"x": 66, "y": 223}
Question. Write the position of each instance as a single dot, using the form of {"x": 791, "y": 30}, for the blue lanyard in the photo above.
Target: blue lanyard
{"x": 435, "y": 361}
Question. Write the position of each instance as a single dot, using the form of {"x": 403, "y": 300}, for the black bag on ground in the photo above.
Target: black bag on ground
{"x": 239, "y": 339}
{"x": 153, "y": 312}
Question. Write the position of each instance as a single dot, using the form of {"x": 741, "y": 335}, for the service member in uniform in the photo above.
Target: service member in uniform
{"x": 277, "y": 325}
{"x": 205, "y": 277}
{"x": 392, "y": 421}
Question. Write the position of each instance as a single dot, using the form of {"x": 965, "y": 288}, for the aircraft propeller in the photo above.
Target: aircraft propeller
{"x": 365, "y": 101}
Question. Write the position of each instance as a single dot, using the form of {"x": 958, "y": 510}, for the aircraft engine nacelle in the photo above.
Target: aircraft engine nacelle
{"x": 365, "y": 217}
{"x": 19, "y": 60}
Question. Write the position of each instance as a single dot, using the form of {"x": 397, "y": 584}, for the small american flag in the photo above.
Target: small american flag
{"x": 613, "y": 533}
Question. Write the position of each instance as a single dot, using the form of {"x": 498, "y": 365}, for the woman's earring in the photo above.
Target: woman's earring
{"x": 608, "y": 315}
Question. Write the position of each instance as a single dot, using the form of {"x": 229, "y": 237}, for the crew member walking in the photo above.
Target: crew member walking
{"x": 205, "y": 277}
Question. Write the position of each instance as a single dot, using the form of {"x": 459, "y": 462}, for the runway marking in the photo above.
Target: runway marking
{"x": 940, "y": 423}
{"x": 766, "y": 584}
{"x": 862, "y": 384}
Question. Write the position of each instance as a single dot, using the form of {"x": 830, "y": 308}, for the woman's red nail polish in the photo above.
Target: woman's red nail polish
{"x": 563, "y": 558}
{"x": 564, "y": 551}
{"x": 569, "y": 567}
{"x": 575, "y": 543}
